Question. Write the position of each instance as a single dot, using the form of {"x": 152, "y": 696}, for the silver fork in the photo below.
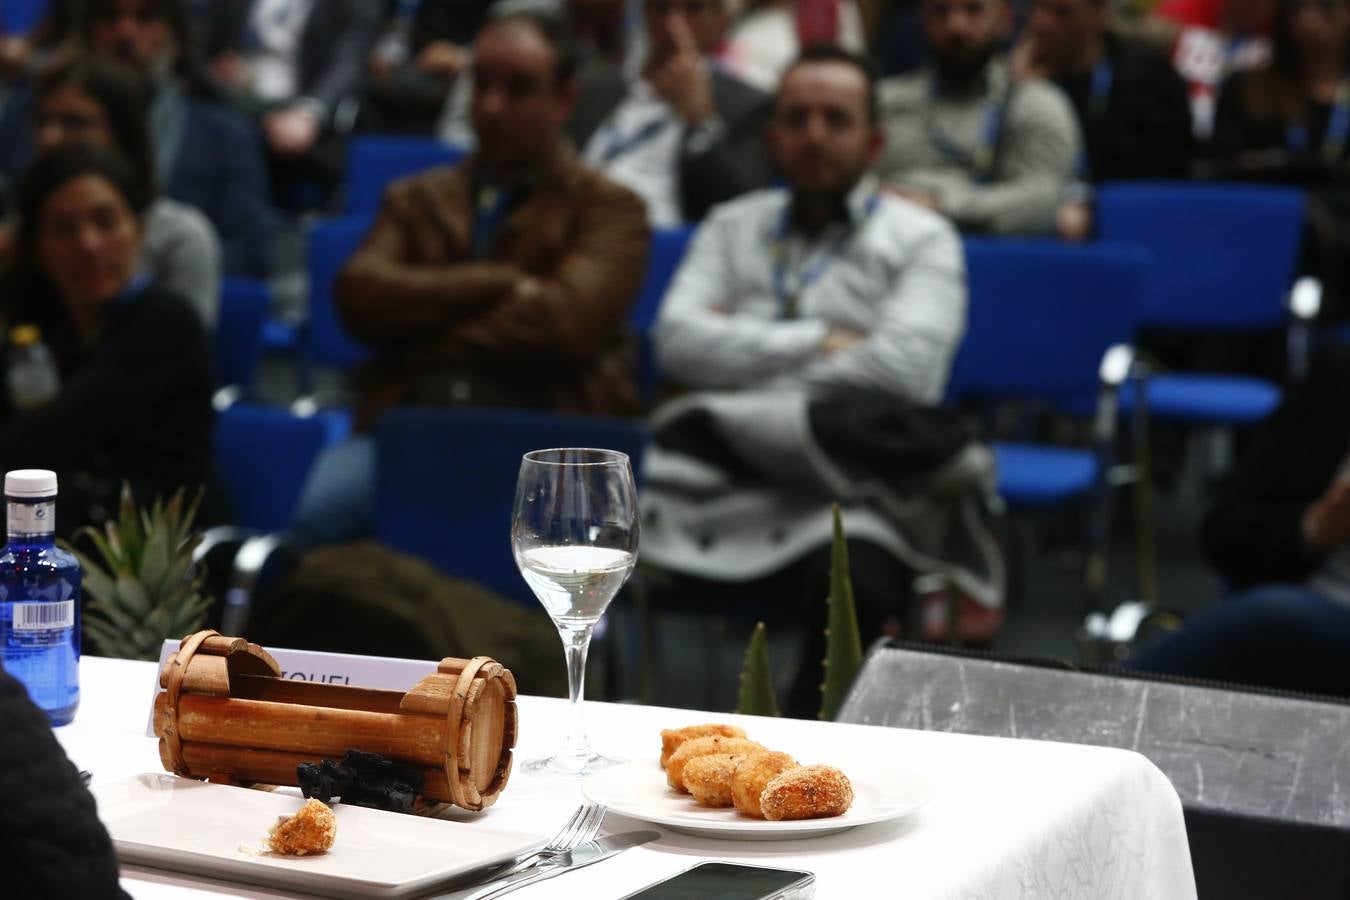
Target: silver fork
{"x": 580, "y": 828}
{"x": 577, "y": 830}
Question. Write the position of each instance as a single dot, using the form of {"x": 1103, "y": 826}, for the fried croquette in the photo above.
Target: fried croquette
{"x": 311, "y": 830}
{"x": 672, "y": 738}
{"x": 708, "y": 778}
{"x": 807, "y": 792}
{"x": 751, "y": 776}
{"x": 703, "y": 746}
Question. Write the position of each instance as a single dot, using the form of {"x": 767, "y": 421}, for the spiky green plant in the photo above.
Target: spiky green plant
{"x": 757, "y": 697}
{"x": 146, "y": 589}
{"x": 843, "y": 645}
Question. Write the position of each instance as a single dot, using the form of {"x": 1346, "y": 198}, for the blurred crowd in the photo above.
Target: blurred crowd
{"x": 831, "y": 153}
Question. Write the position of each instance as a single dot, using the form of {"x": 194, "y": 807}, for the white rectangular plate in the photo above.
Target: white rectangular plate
{"x": 191, "y": 826}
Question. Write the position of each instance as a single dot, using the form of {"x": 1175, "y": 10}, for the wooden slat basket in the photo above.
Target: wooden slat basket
{"x": 226, "y": 714}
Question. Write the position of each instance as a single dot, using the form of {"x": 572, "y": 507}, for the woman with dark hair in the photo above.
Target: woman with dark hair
{"x": 135, "y": 396}
{"x": 1295, "y": 113}
{"x": 100, "y": 102}
{"x": 1290, "y": 122}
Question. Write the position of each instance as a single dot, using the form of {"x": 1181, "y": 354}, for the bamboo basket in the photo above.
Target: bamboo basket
{"x": 226, "y": 714}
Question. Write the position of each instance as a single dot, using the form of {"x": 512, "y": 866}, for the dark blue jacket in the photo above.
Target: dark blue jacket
{"x": 220, "y": 169}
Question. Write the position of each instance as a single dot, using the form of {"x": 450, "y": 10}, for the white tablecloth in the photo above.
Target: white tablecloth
{"x": 1008, "y": 819}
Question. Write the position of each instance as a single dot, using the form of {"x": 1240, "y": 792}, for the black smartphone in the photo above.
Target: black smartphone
{"x": 730, "y": 881}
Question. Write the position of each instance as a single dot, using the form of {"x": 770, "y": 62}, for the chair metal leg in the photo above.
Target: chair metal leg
{"x": 1145, "y": 548}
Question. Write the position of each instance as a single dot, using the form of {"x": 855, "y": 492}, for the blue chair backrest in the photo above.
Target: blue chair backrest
{"x": 263, "y": 455}
{"x": 239, "y": 330}
{"x": 375, "y": 160}
{"x": 1224, "y": 255}
{"x": 331, "y": 243}
{"x": 1042, "y": 314}
{"x": 446, "y": 482}
{"x": 667, "y": 251}
{"x": 19, "y": 17}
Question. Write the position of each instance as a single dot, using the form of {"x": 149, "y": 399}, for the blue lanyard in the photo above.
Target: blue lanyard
{"x": 1103, "y": 78}
{"x": 618, "y": 145}
{"x": 981, "y": 158}
{"x": 789, "y": 299}
{"x": 490, "y": 206}
{"x": 1338, "y": 129}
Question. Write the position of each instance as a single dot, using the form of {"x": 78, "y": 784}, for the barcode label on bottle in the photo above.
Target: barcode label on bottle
{"x": 44, "y": 616}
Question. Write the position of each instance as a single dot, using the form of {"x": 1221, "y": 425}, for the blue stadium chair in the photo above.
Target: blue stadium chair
{"x": 446, "y": 481}
{"x": 239, "y": 331}
{"x": 331, "y": 244}
{"x": 263, "y": 455}
{"x": 1224, "y": 260}
{"x": 21, "y": 16}
{"x": 1044, "y": 319}
{"x": 375, "y": 160}
{"x": 667, "y": 250}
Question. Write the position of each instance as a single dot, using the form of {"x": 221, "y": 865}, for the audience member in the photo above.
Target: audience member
{"x": 98, "y": 101}
{"x": 423, "y": 50}
{"x": 1290, "y": 122}
{"x": 831, "y": 291}
{"x": 684, "y": 135}
{"x": 1279, "y": 535}
{"x": 294, "y": 63}
{"x": 207, "y": 154}
{"x": 135, "y": 396}
{"x": 1296, "y": 111}
{"x": 505, "y": 281}
{"x": 992, "y": 153}
{"x": 1131, "y": 105}
{"x": 1284, "y": 515}
{"x": 55, "y": 845}
{"x": 767, "y": 36}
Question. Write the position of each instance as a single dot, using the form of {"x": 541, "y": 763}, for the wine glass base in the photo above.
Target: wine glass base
{"x": 569, "y": 765}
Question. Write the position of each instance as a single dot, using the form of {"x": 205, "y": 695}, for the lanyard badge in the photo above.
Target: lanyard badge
{"x": 789, "y": 286}
{"x": 982, "y": 157}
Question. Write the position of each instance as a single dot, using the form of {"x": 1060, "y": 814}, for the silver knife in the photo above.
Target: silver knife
{"x": 585, "y": 855}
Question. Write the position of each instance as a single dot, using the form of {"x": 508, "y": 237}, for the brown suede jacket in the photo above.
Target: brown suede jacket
{"x": 540, "y": 321}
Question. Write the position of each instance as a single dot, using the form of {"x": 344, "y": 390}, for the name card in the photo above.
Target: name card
{"x": 379, "y": 672}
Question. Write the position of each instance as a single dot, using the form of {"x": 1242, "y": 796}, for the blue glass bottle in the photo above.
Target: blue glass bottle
{"x": 39, "y": 598}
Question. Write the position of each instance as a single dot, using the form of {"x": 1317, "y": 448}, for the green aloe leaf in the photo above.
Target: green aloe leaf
{"x": 843, "y": 645}
{"x": 757, "y": 694}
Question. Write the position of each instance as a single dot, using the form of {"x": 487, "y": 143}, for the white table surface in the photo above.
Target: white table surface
{"x": 1008, "y": 819}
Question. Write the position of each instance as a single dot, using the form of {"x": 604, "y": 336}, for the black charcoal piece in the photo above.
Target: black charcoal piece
{"x": 362, "y": 779}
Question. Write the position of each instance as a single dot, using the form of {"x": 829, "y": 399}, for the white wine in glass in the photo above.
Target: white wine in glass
{"x": 574, "y": 532}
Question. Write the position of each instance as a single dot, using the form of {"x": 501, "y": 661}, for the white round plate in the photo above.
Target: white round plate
{"x": 638, "y": 789}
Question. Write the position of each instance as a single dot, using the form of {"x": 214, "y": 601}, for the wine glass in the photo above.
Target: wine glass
{"x": 574, "y": 533}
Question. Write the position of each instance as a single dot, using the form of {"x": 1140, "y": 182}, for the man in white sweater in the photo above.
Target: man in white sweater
{"x": 830, "y": 289}
{"x": 858, "y": 288}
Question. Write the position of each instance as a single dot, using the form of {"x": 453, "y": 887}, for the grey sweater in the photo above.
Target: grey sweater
{"x": 181, "y": 253}
{"x": 933, "y": 145}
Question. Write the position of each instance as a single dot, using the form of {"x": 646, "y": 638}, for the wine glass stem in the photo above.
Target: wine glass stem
{"x": 576, "y": 643}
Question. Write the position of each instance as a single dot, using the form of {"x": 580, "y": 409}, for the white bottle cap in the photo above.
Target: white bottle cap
{"x": 30, "y": 483}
